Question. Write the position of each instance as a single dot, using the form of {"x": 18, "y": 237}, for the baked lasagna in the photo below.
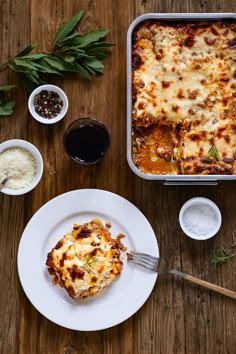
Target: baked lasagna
{"x": 184, "y": 97}
{"x": 86, "y": 260}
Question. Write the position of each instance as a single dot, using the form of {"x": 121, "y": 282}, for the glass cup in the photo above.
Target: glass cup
{"x": 86, "y": 141}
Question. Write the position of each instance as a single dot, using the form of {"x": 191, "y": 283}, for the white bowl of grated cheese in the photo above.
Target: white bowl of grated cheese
{"x": 200, "y": 218}
{"x": 22, "y": 162}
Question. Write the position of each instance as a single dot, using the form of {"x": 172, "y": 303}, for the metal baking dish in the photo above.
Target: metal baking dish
{"x": 182, "y": 17}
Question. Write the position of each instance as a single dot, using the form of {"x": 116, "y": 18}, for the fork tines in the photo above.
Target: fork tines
{"x": 143, "y": 260}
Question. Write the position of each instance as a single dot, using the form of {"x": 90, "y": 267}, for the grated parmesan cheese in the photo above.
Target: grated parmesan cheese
{"x": 18, "y": 164}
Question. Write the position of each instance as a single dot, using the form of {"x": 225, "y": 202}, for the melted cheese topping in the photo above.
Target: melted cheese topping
{"x": 184, "y": 78}
{"x": 86, "y": 259}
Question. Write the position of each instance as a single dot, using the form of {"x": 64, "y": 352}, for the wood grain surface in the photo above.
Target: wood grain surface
{"x": 178, "y": 317}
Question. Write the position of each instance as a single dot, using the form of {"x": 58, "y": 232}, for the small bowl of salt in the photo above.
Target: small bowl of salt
{"x": 22, "y": 164}
{"x": 200, "y": 218}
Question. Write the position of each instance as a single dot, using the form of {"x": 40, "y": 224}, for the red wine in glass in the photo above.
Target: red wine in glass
{"x": 86, "y": 141}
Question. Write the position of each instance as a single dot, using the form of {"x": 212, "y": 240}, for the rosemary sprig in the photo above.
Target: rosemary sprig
{"x": 213, "y": 152}
{"x": 87, "y": 265}
{"x": 222, "y": 256}
{"x": 71, "y": 52}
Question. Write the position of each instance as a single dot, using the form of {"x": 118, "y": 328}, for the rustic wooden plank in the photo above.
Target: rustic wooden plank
{"x": 14, "y": 35}
{"x": 178, "y": 317}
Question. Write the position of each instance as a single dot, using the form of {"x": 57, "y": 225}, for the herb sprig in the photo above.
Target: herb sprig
{"x": 223, "y": 256}
{"x": 87, "y": 265}
{"x": 6, "y": 107}
{"x": 71, "y": 52}
{"x": 213, "y": 152}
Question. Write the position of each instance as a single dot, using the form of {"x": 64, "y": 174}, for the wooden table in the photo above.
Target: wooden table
{"x": 178, "y": 316}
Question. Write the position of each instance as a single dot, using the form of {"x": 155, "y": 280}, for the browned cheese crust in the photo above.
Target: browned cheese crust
{"x": 86, "y": 260}
{"x": 184, "y": 98}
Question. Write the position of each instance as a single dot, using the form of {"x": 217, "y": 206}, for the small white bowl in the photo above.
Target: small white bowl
{"x": 39, "y": 161}
{"x": 63, "y": 97}
{"x": 200, "y": 218}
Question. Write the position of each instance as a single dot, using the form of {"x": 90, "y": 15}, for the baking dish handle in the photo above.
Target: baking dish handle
{"x": 190, "y": 183}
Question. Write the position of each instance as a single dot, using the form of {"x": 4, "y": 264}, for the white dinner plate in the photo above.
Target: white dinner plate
{"x": 47, "y": 226}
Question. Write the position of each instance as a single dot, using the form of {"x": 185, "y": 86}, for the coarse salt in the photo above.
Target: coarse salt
{"x": 18, "y": 164}
{"x": 200, "y": 219}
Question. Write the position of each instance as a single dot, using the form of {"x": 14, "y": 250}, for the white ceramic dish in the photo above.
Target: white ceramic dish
{"x": 200, "y": 218}
{"x": 166, "y": 179}
{"x": 115, "y": 304}
{"x": 62, "y": 95}
{"x": 36, "y": 154}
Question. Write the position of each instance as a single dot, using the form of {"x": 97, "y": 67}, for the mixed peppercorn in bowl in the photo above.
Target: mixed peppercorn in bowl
{"x": 48, "y": 104}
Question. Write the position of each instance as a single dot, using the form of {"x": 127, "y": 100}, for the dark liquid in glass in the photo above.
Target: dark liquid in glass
{"x": 87, "y": 143}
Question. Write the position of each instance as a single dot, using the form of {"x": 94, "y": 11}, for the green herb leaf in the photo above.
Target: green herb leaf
{"x": 17, "y": 68}
{"x": 72, "y": 52}
{"x": 24, "y": 63}
{"x": 96, "y": 51}
{"x": 90, "y": 70}
{"x": 82, "y": 72}
{"x": 8, "y": 104}
{"x": 34, "y": 56}
{"x": 7, "y": 87}
{"x": 28, "y": 84}
{"x": 98, "y": 44}
{"x": 91, "y": 37}
{"x": 222, "y": 256}
{"x": 72, "y": 40}
{"x": 45, "y": 68}
{"x": 6, "y": 108}
{"x": 56, "y": 63}
{"x": 66, "y": 28}
{"x": 95, "y": 64}
{"x": 213, "y": 152}
{"x": 35, "y": 77}
{"x": 69, "y": 59}
{"x": 27, "y": 49}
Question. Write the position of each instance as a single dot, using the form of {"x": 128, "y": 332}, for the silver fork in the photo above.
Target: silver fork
{"x": 159, "y": 265}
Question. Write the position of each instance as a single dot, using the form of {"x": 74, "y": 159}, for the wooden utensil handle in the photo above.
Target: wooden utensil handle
{"x": 204, "y": 283}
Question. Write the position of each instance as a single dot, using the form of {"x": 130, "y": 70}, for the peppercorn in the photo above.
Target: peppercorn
{"x": 47, "y": 104}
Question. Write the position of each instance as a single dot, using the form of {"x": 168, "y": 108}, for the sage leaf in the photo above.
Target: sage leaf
{"x": 25, "y": 63}
{"x": 93, "y": 72}
{"x": 28, "y": 84}
{"x": 69, "y": 59}
{"x": 34, "y": 56}
{"x": 97, "y": 45}
{"x": 91, "y": 37}
{"x": 101, "y": 56}
{"x": 46, "y": 68}
{"x": 72, "y": 40}
{"x": 71, "y": 52}
{"x": 34, "y": 76}
{"x": 8, "y": 104}
{"x": 66, "y": 28}
{"x": 95, "y": 51}
{"x": 94, "y": 63}
{"x": 27, "y": 49}
{"x": 6, "y": 108}
{"x": 17, "y": 68}
{"x": 7, "y": 87}
{"x": 82, "y": 72}
{"x": 56, "y": 63}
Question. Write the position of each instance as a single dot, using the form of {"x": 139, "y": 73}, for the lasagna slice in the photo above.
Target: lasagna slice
{"x": 210, "y": 152}
{"x": 86, "y": 260}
